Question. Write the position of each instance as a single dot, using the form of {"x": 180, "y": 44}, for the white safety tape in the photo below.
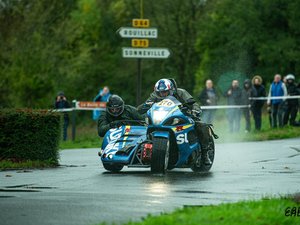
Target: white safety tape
{"x": 202, "y": 107}
{"x": 73, "y": 109}
{"x": 225, "y": 106}
{"x": 275, "y": 97}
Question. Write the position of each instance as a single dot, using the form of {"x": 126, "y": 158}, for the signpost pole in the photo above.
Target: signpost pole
{"x": 140, "y": 32}
{"x": 139, "y": 65}
{"x": 139, "y": 82}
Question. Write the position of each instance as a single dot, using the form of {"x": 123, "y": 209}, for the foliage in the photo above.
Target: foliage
{"x": 32, "y": 43}
{"x": 73, "y": 45}
{"x": 29, "y": 135}
{"x": 248, "y": 37}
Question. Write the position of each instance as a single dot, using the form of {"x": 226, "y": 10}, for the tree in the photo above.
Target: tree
{"x": 248, "y": 37}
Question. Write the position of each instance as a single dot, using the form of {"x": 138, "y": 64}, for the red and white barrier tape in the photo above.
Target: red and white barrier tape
{"x": 78, "y": 104}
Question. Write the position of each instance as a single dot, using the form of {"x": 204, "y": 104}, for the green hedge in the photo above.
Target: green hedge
{"x": 29, "y": 135}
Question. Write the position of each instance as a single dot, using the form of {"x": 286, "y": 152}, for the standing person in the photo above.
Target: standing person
{"x": 277, "y": 89}
{"x": 247, "y": 92}
{"x": 257, "y": 105}
{"x": 291, "y": 104}
{"x": 62, "y": 103}
{"x": 234, "y": 94}
{"x": 102, "y": 96}
{"x": 208, "y": 97}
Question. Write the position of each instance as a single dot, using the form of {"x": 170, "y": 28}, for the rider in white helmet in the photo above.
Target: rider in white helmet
{"x": 167, "y": 87}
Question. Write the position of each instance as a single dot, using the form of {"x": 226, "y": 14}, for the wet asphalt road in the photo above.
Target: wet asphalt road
{"x": 81, "y": 192}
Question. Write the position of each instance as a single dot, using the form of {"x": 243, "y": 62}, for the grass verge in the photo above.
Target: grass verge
{"x": 267, "y": 211}
{"x": 86, "y": 137}
{"x": 86, "y": 133}
{"x": 263, "y": 135}
{"x": 29, "y": 164}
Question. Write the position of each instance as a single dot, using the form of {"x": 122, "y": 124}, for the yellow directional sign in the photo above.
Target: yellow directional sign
{"x": 140, "y": 22}
{"x": 140, "y": 43}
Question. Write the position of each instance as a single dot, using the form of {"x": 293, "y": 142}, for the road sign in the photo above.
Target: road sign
{"x": 140, "y": 43}
{"x": 80, "y": 104}
{"x": 146, "y": 53}
{"x": 129, "y": 32}
{"x": 140, "y": 23}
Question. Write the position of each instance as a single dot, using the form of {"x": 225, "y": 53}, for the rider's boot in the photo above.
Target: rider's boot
{"x": 205, "y": 132}
{"x": 206, "y": 158}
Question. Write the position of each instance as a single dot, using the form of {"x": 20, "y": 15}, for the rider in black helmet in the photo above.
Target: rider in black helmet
{"x": 116, "y": 111}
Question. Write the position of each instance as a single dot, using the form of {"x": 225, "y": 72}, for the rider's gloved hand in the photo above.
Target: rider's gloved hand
{"x": 115, "y": 124}
{"x": 196, "y": 113}
{"x": 149, "y": 103}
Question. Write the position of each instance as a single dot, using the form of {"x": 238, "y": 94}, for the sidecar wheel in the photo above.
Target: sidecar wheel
{"x": 113, "y": 168}
{"x": 160, "y": 155}
{"x": 203, "y": 167}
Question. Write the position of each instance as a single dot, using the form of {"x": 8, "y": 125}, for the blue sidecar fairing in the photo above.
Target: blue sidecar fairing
{"x": 120, "y": 145}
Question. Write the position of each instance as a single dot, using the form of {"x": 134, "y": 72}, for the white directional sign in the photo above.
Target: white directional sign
{"x": 129, "y": 32}
{"x": 146, "y": 53}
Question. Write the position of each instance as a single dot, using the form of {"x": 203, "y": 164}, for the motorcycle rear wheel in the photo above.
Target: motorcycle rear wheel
{"x": 160, "y": 155}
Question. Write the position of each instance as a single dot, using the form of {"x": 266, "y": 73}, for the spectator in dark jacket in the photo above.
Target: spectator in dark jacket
{"x": 257, "y": 105}
{"x": 208, "y": 97}
{"x": 247, "y": 92}
{"x": 277, "y": 89}
{"x": 234, "y": 94}
{"x": 62, "y": 103}
{"x": 292, "y": 104}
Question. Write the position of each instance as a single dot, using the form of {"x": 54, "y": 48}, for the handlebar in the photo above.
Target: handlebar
{"x": 127, "y": 122}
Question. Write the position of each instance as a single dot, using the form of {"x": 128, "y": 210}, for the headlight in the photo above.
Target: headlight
{"x": 158, "y": 116}
{"x": 175, "y": 122}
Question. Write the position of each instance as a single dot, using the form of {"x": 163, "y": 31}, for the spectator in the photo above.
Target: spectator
{"x": 247, "y": 92}
{"x": 257, "y": 105}
{"x": 62, "y": 103}
{"x": 234, "y": 95}
{"x": 208, "y": 97}
{"x": 277, "y": 89}
{"x": 102, "y": 96}
{"x": 298, "y": 123}
{"x": 291, "y": 104}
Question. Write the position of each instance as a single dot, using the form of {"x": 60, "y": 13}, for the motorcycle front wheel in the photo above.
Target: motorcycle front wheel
{"x": 160, "y": 155}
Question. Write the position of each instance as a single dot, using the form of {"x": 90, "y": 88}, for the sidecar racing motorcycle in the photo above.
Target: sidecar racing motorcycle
{"x": 165, "y": 141}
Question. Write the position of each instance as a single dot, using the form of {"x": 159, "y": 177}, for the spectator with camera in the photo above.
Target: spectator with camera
{"x": 62, "y": 103}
